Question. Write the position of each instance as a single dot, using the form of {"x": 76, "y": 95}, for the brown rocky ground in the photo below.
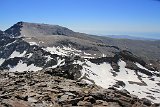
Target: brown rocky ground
{"x": 39, "y": 89}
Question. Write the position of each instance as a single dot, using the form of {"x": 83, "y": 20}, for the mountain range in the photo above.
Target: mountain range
{"x": 123, "y": 64}
{"x": 131, "y": 37}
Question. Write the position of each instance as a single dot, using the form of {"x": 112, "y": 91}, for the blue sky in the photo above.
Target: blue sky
{"x": 105, "y": 17}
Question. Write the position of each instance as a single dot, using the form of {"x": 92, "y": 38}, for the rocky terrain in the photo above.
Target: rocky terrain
{"x": 40, "y": 89}
{"x": 116, "y": 72}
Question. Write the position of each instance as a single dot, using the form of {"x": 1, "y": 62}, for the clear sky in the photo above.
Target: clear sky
{"x": 105, "y": 17}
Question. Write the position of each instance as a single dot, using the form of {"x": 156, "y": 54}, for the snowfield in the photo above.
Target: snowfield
{"x": 67, "y": 51}
{"x": 17, "y": 54}
{"x": 1, "y": 61}
{"x": 33, "y": 43}
{"x": 102, "y": 76}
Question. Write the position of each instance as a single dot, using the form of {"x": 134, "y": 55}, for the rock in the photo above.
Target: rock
{"x": 46, "y": 98}
{"x": 81, "y": 83}
{"x": 42, "y": 85}
{"x": 71, "y": 71}
{"x": 113, "y": 104}
{"x": 15, "y": 103}
{"x": 99, "y": 102}
{"x": 146, "y": 102}
{"x": 119, "y": 84}
{"x": 131, "y": 65}
{"x": 90, "y": 99}
{"x": 70, "y": 94}
{"x": 105, "y": 104}
{"x": 32, "y": 100}
{"x": 64, "y": 98}
{"x": 52, "y": 90}
{"x": 85, "y": 103}
{"x": 68, "y": 105}
{"x": 22, "y": 97}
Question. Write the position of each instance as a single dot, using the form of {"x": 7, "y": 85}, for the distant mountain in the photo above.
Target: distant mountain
{"x": 129, "y": 37}
{"x": 133, "y": 65}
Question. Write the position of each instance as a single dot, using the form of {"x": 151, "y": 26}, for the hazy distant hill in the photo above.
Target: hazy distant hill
{"x": 129, "y": 37}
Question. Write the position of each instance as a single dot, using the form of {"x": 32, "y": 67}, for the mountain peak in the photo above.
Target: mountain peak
{"x": 37, "y": 29}
{"x": 14, "y": 30}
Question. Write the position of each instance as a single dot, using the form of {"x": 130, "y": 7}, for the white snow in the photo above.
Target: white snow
{"x": 142, "y": 67}
{"x": 64, "y": 51}
{"x": 99, "y": 73}
{"x": 125, "y": 74}
{"x": 54, "y": 50}
{"x": 67, "y": 51}
{"x": 20, "y": 67}
{"x": 48, "y": 58}
{"x": 11, "y": 43}
{"x": 87, "y": 57}
{"x": 59, "y": 63}
{"x": 33, "y": 43}
{"x": 140, "y": 91}
{"x": 103, "y": 55}
{"x": 1, "y": 61}
{"x": 87, "y": 53}
{"x": 30, "y": 54}
{"x": 40, "y": 42}
{"x": 17, "y": 54}
{"x": 102, "y": 76}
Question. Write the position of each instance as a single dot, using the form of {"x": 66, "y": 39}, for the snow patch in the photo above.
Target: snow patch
{"x": 140, "y": 91}
{"x": 48, "y": 58}
{"x": 126, "y": 74}
{"x": 17, "y": 54}
{"x": 64, "y": 51}
{"x": 33, "y": 43}
{"x": 29, "y": 55}
{"x": 142, "y": 67}
{"x": 1, "y": 61}
{"x": 20, "y": 67}
{"x": 40, "y": 42}
{"x": 103, "y": 55}
{"x": 11, "y": 43}
{"x": 100, "y": 74}
{"x": 86, "y": 53}
{"x": 67, "y": 51}
{"x": 59, "y": 63}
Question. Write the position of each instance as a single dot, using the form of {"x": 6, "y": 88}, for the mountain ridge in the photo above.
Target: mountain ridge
{"x": 45, "y": 28}
{"x": 54, "y": 35}
{"x": 82, "y": 57}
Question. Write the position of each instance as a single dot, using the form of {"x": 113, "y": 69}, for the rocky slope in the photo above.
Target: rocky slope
{"x": 100, "y": 61}
{"x": 40, "y": 89}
